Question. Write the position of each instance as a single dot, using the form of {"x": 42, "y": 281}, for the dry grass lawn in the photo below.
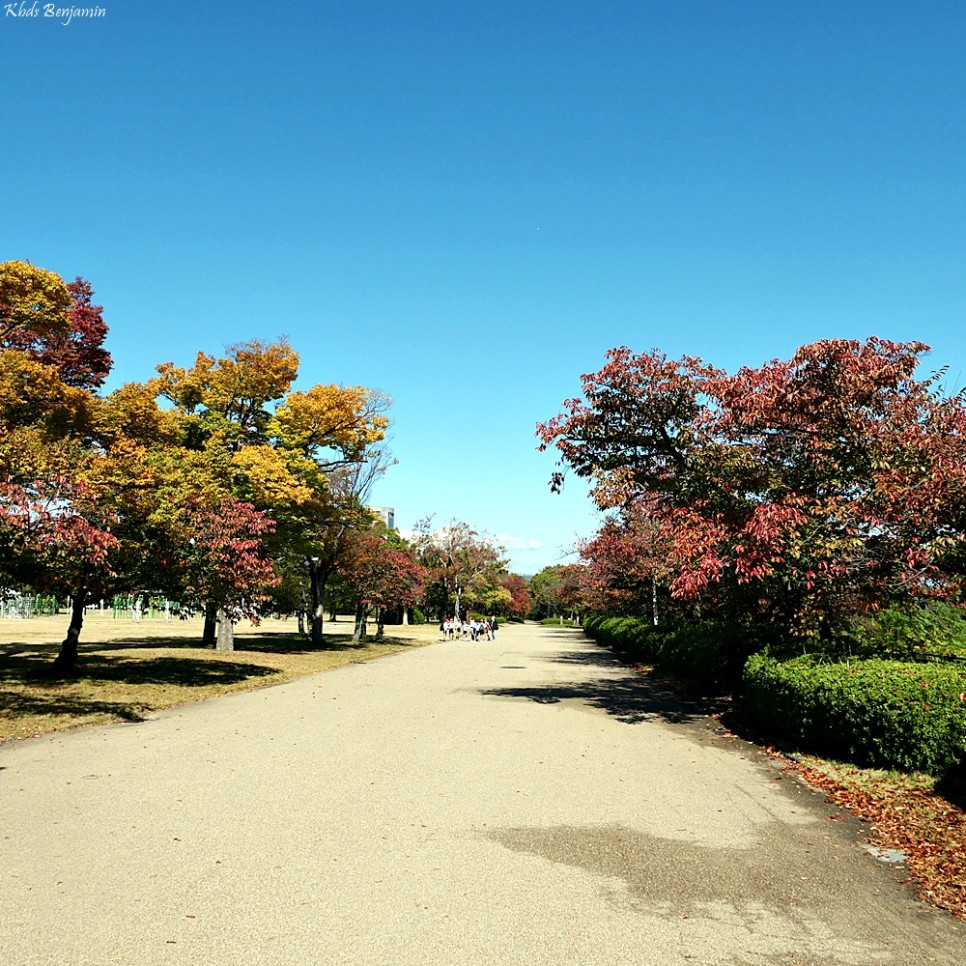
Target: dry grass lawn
{"x": 128, "y": 670}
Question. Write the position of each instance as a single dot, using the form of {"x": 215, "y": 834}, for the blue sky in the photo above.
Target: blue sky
{"x": 466, "y": 204}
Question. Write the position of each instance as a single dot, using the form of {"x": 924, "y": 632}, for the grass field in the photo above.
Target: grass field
{"x": 129, "y": 670}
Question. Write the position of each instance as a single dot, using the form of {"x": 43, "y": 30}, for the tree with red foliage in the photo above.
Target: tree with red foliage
{"x": 521, "y": 602}
{"x": 382, "y": 573}
{"x": 797, "y": 493}
{"x": 628, "y": 567}
{"x": 75, "y": 347}
{"x": 225, "y": 563}
{"x": 79, "y": 354}
{"x": 54, "y": 534}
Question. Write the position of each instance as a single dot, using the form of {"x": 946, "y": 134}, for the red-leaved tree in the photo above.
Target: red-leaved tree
{"x": 800, "y": 492}
{"x": 226, "y": 564}
{"x": 521, "y": 602}
{"x": 75, "y": 350}
{"x": 381, "y": 574}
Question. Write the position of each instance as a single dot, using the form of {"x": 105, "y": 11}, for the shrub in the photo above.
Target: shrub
{"x": 709, "y": 654}
{"x": 416, "y": 616}
{"x": 876, "y": 713}
{"x": 933, "y": 630}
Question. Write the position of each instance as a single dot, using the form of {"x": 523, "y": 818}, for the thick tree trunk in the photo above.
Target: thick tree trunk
{"x": 66, "y": 660}
{"x": 405, "y": 616}
{"x": 211, "y": 622}
{"x": 380, "y": 623}
{"x": 359, "y": 633}
{"x": 226, "y": 633}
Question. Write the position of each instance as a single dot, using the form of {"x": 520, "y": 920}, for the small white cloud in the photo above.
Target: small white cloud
{"x": 517, "y": 543}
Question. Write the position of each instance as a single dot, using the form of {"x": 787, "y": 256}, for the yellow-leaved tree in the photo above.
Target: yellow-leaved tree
{"x": 285, "y": 452}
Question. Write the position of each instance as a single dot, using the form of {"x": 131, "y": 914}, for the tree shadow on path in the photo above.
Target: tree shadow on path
{"x": 628, "y": 699}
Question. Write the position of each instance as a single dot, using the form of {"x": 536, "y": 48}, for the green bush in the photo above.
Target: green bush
{"x": 628, "y": 635}
{"x": 875, "y": 713}
{"x": 709, "y": 654}
{"x": 929, "y": 631}
{"x": 416, "y": 616}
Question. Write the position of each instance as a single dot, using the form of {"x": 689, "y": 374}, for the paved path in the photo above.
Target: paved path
{"x": 523, "y": 802}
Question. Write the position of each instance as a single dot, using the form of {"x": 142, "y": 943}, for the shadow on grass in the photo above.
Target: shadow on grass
{"x": 254, "y": 643}
{"x": 52, "y": 703}
{"x": 94, "y": 668}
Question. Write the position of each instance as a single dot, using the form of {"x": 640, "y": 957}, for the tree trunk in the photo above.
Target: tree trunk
{"x": 208, "y": 633}
{"x": 359, "y": 633}
{"x": 226, "y": 633}
{"x": 317, "y": 581}
{"x": 654, "y": 600}
{"x": 380, "y": 623}
{"x": 66, "y": 660}
{"x": 405, "y": 616}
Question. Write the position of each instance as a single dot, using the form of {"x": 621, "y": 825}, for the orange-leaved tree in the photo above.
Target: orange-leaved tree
{"x": 279, "y": 449}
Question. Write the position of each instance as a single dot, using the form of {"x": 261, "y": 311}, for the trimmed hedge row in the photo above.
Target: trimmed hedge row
{"x": 706, "y": 653}
{"x": 876, "y": 713}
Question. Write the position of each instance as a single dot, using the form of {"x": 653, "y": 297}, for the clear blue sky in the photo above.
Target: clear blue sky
{"x": 466, "y": 204}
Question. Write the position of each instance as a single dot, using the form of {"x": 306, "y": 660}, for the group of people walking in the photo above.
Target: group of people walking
{"x": 453, "y": 629}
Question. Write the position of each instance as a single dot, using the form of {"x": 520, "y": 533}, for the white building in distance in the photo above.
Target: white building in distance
{"x": 385, "y": 513}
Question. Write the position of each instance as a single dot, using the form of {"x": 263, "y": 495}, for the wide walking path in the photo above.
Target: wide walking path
{"x": 527, "y": 801}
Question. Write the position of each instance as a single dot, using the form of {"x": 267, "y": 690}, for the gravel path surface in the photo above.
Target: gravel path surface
{"x": 527, "y": 801}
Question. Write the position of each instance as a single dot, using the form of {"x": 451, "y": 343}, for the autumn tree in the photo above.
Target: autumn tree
{"x": 225, "y": 562}
{"x": 77, "y": 350}
{"x": 381, "y": 573}
{"x": 462, "y": 562}
{"x": 520, "y": 602}
{"x": 287, "y": 452}
{"x": 559, "y": 589}
{"x": 628, "y": 564}
{"x": 34, "y": 305}
{"x": 55, "y": 527}
{"x": 794, "y": 494}
{"x": 77, "y": 495}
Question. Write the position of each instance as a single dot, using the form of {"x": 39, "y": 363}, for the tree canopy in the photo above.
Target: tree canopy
{"x": 799, "y": 491}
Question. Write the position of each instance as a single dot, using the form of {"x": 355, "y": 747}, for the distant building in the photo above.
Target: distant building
{"x": 385, "y": 513}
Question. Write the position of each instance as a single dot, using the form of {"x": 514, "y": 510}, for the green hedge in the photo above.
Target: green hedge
{"x": 707, "y": 653}
{"x": 876, "y": 713}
